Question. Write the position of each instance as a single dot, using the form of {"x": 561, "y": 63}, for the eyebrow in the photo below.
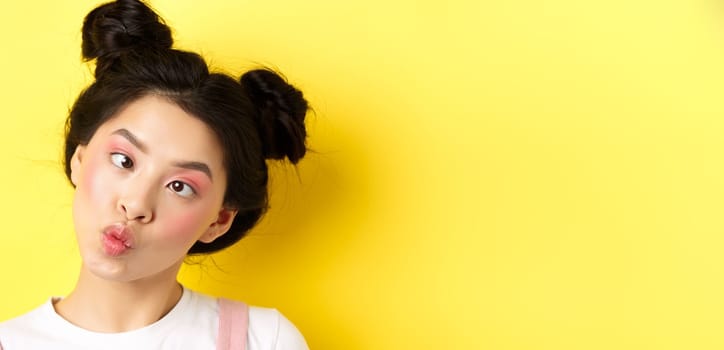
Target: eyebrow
{"x": 132, "y": 139}
{"x": 198, "y": 166}
{"x": 191, "y": 165}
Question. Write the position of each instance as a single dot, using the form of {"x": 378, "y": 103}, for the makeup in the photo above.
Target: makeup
{"x": 117, "y": 240}
{"x": 135, "y": 222}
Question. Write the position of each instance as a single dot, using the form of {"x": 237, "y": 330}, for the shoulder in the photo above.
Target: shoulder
{"x": 26, "y": 320}
{"x": 31, "y": 325}
{"x": 269, "y": 329}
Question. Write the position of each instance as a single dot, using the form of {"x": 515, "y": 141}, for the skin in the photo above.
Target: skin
{"x": 158, "y": 172}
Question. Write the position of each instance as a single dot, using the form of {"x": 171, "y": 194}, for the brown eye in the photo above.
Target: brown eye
{"x": 177, "y": 186}
{"x": 121, "y": 160}
{"x": 181, "y": 188}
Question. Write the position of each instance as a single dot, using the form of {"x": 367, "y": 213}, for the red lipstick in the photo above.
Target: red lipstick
{"x": 117, "y": 240}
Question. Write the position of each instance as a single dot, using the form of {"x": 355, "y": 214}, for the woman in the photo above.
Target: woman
{"x": 167, "y": 159}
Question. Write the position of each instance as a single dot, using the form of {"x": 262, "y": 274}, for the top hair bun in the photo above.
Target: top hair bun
{"x": 281, "y": 109}
{"x": 120, "y": 26}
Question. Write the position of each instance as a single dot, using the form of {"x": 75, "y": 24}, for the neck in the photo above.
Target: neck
{"x": 100, "y": 305}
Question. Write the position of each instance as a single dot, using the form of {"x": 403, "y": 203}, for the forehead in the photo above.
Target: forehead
{"x": 167, "y": 131}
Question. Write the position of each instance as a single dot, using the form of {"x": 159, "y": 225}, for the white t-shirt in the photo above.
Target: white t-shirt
{"x": 192, "y": 324}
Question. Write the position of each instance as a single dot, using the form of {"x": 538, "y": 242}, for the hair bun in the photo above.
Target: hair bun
{"x": 281, "y": 110}
{"x": 122, "y": 25}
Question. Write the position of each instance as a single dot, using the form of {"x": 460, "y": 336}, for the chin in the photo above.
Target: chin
{"x": 107, "y": 268}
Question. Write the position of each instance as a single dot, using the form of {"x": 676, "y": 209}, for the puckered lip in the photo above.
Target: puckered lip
{"x": 120, "y": 232}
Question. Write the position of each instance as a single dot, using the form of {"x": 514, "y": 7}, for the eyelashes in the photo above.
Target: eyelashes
{"x": 180, "y": 188}
{"x": 121, "y": 160}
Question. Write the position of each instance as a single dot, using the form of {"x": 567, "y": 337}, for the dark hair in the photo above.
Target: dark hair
{"x": 258, "y": 117}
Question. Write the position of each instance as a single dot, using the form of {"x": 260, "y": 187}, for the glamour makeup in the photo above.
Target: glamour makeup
{"x": 117, "y": 240}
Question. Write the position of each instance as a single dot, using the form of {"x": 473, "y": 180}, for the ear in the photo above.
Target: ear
{"x": 75, "y": 161}
{"x": 220, "y": 226}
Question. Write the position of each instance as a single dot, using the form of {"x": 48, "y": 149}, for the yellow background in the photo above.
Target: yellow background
{"x": 488, "y": 174}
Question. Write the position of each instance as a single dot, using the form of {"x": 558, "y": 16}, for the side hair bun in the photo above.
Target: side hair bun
{"x": 120, "y": 26}
{"x": 281, "y": 110}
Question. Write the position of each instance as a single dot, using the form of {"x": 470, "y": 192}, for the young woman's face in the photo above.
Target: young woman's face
{"x": 149, "y": 184}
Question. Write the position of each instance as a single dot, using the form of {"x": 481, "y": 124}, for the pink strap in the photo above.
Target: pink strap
{"x": 233, "y": 325}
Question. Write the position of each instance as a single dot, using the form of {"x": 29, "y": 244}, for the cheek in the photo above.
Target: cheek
{"x": 185, "y": 225}
{"x": 92, "y": 199}
{"x": 94, "y": 184}
{"x": 89, "y": 180}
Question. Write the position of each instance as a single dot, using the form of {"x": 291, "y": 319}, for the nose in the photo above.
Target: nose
{"x": 136, "y": 203}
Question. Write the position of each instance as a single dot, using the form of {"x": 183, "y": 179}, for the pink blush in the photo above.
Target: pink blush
{"x": 185, "y": 220}
{"x": 91, "y": 175}
{"x": 118, "y": 144}
{"x": 198, "y": 182}
{"x": 182, "y": 225}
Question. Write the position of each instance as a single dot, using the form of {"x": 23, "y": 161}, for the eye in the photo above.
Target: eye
{"x": 121, "y": 160}
{"x": 182, "y": 189}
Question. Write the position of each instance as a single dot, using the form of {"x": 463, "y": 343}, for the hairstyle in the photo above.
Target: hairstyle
{"x": 258, "y": 117}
